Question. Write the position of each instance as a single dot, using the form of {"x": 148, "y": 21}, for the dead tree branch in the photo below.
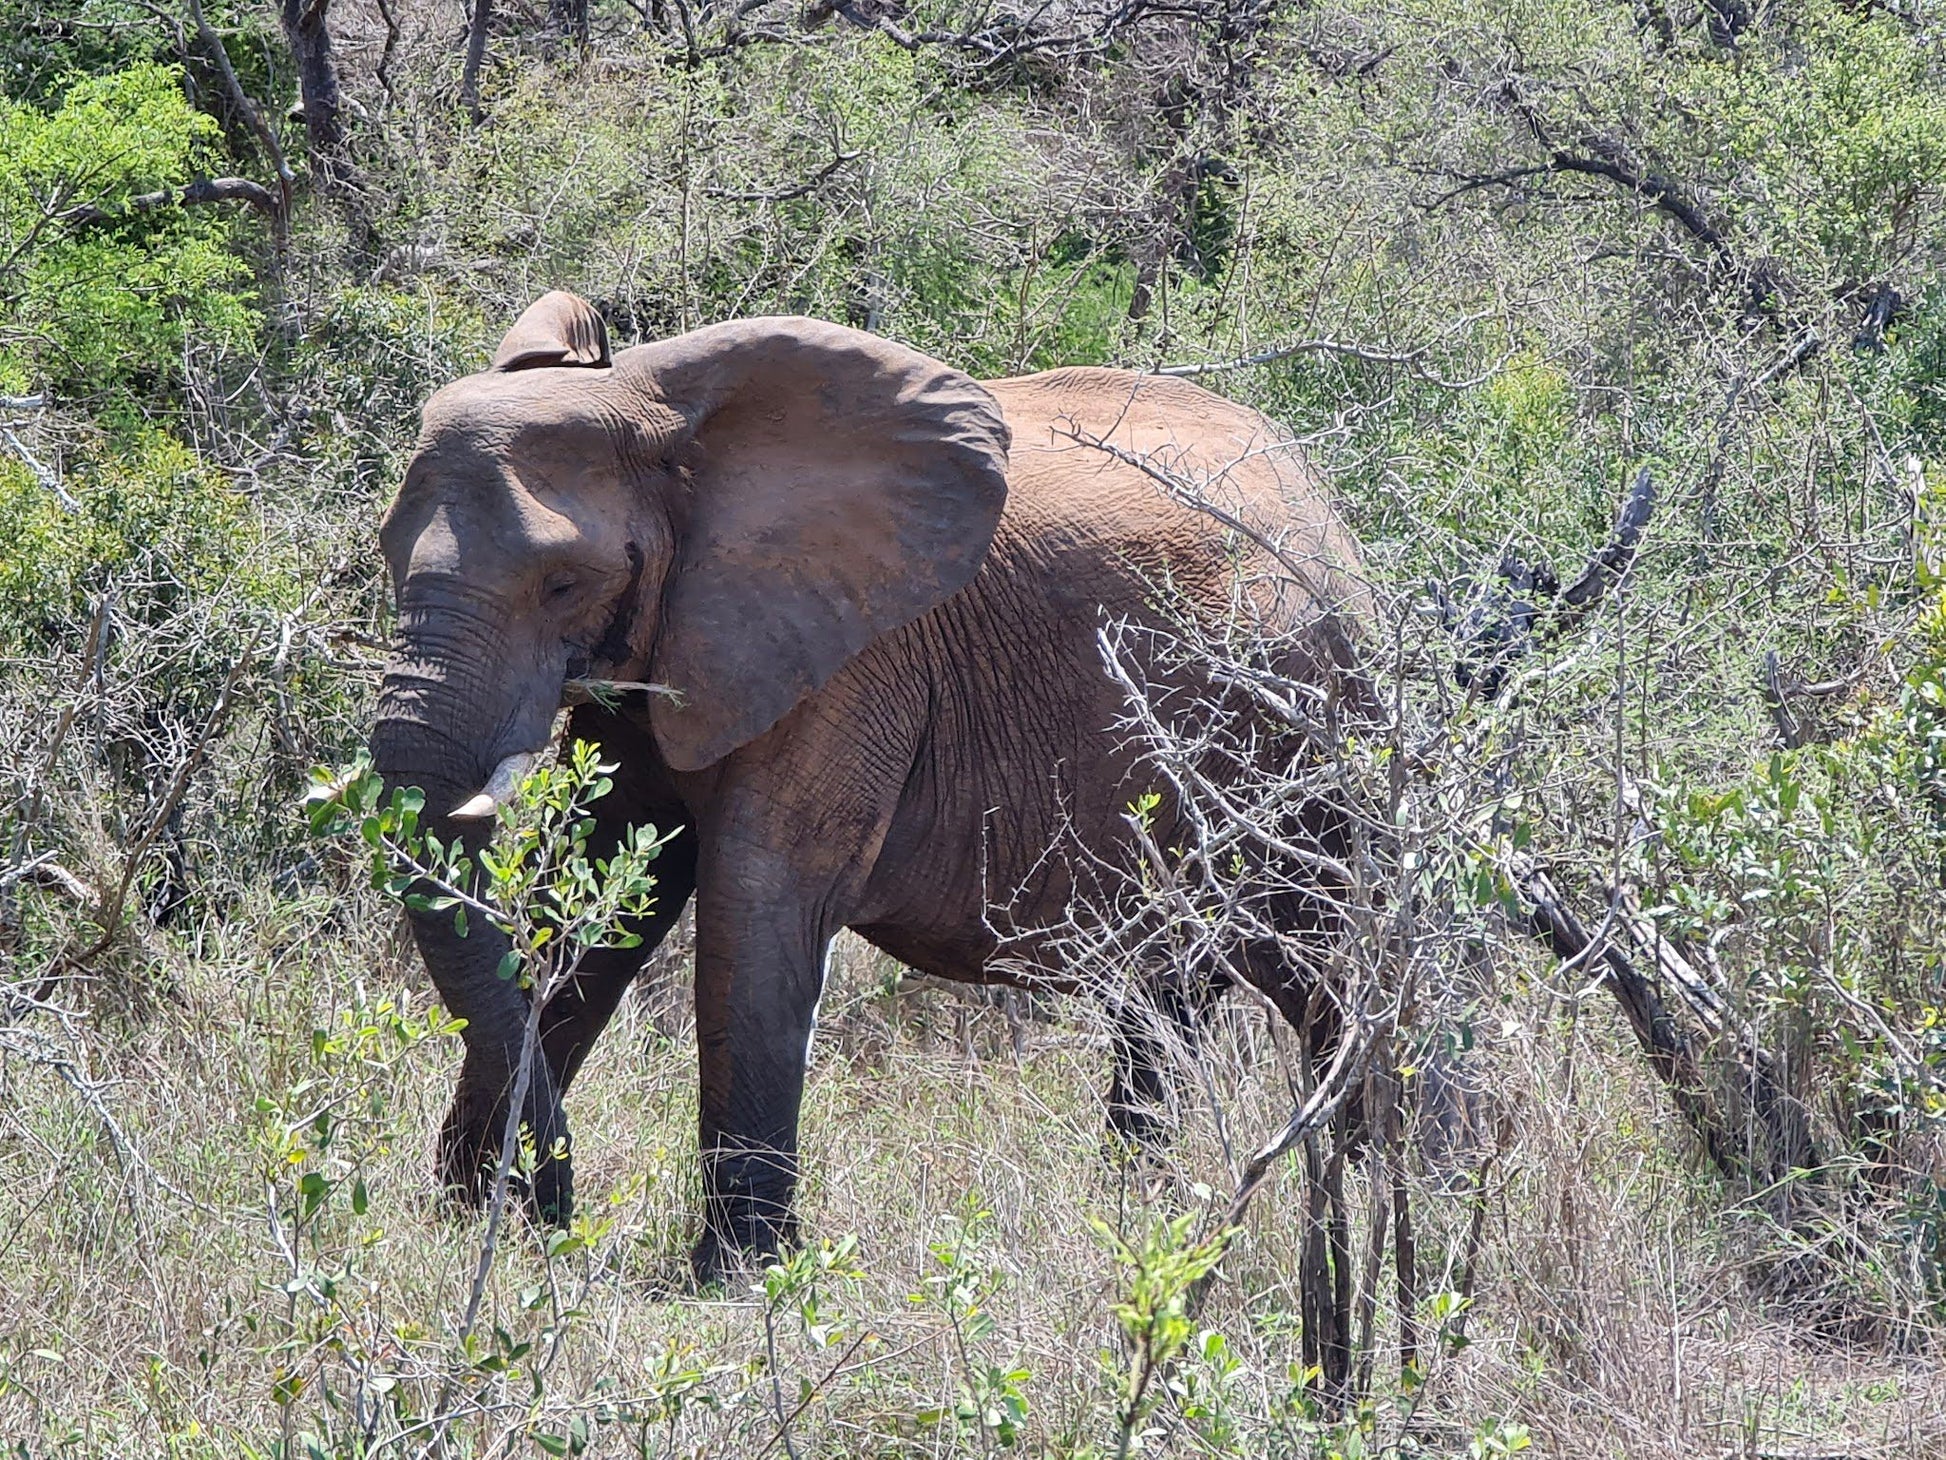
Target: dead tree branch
{"x": 1611, "y": 561}
{"x": 42, "y": 1049}
{"x": 1346, "y": 1072}
{"x": 1673, "y": 1052}
{"x": 383, "y": 70}
{"x": 1413, "y": 362}
{"x": 476, "y": 41}
{"x": 109, "y": 917}
{"x": 189, "y": 195}
{"x": 799, "y": 190}
{"x": 1525, "y": 607}
{"x": 1607, "y": 159}
{"x": 44, "y": 474}
{"x": 1655, "y": 1029}
{"x": 1806, "y": 344}
{"x": 1789, "y": 733}
{"x": 36, "y": 789}
{"x": 307, "y": 28}
{"x": 251, "y": 113}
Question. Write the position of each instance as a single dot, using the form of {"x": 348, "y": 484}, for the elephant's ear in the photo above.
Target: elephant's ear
{"x": 559, "y": 328}
{"x": 839, "y": 486}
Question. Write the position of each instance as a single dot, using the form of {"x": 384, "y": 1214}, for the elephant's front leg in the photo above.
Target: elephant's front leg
{"x": 495, "y": 1011}
{"x": 759, "y": 971}
{"x": 640, "y": 795}
{"x": 475, "y": 1125}
{"x": 575, "y": 1017}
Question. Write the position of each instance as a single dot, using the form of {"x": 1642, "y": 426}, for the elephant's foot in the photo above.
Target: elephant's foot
{"x": 710, "y": 1262}
{"x": 747, "y": 1217}
{"x": 744, "y": 1244}
{"x": 469, "y": 1160}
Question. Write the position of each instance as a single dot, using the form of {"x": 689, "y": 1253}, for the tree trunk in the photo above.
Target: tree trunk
{"x": 307, "y": 29}
{"x": 476, "y": 39}
{"x": 569, "y": 18}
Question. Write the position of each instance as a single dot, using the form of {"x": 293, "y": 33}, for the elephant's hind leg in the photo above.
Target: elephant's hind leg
{"x": 1157, "y": 1027}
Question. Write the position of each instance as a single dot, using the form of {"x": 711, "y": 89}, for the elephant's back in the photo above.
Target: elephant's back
{"x": 1113, "y": 458}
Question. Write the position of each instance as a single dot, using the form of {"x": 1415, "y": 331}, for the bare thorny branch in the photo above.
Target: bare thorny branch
{"x": 1414, "y": 362}
{"x": 1389, "y": 888}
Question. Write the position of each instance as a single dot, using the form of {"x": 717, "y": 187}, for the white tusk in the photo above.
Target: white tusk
{"x": 505, "y": 779}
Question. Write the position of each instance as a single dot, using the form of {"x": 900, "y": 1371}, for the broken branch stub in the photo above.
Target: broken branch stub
{"x": 1508, "y": 618}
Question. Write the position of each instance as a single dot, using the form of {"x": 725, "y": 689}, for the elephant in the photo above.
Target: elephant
{"x": 873, "y": 588}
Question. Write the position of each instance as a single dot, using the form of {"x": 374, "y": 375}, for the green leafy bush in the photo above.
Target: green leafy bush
{"x": 101, "y": 311}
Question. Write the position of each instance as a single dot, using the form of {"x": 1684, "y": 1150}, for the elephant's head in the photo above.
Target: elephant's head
{"x": 733, "y": 514}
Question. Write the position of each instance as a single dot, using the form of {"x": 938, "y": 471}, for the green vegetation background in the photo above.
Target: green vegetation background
{"x": 1500, "y": 256}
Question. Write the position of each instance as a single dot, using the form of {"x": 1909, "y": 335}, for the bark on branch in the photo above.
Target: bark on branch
{"x": 1604, "y": 158}
{"x": 1636, "y": 977}
{"x": 1611, "y": 561}
{"x": 189, "y": 195}
{"x": 307, "y": 28}
{"x": 1612, "y": 163}
{"x": 476, "y": 39}
{"x": 1655, "y": 1029}
{"x": 1789, "y": 733}
{"x": 251, "y": 113}
{"x": 1508, "y": 620}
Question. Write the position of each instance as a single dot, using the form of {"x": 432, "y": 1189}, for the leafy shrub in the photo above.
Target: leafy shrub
{"x": 101, "y": 311}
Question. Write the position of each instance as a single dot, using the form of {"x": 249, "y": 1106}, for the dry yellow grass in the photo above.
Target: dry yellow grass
{"x": 148, "y": 1311}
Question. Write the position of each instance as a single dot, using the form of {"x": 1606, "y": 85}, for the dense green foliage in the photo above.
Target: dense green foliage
{"x": 1488, "y": 259}
{"x": 102, "y": 315}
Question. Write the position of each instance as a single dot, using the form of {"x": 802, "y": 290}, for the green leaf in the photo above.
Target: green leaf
{"x": 314, "y": 1188}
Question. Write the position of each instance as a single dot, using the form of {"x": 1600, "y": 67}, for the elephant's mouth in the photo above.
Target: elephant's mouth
{"x": 507, "y": 776}
{"x": 614, "y": 693}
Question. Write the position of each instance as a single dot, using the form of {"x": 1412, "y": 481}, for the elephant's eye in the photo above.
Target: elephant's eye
{"x": 560, "y": 586}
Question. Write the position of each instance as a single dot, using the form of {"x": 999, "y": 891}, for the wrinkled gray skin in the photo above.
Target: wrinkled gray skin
{"x": 875, "y": 585}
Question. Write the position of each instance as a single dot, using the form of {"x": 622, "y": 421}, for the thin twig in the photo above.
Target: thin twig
{"x": 45, "y": 475}
{"x": 1412, "y": 361}
{"x": 109, "y": 918}
{"x": 784, "y": 195}
{"x": 1324, "y": 1103}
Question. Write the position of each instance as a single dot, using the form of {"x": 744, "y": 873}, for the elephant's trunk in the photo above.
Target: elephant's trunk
{"x": 432, "y": 733}
{"x": 464, "y": 969}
